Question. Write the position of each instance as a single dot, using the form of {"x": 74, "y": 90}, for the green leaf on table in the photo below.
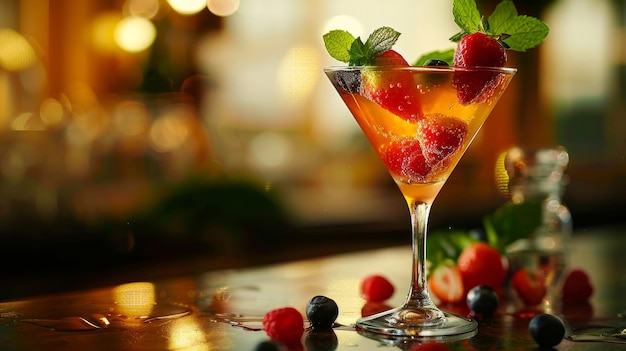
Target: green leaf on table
{"x": 444, "y": 245}
{"x": 512, "y": 222}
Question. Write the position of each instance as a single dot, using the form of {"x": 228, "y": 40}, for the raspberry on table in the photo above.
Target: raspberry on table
{"x": 284, "y": 324}
{"x": 376, "y": 288}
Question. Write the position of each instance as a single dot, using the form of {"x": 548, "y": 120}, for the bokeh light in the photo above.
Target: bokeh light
{"x": 131, "y": 117}
{"x": 187, "y": 7}
{"x": 169, "y": 131}
{"x": 269, "y": 150}
{"x": 103, "y": 31}
{"x": 135, "y": 34}
{"x": 223, "y": 8}
{"x": 135, "y": 299}
{"x": 298, "y": 74}
{"x": 51, "y": 112}
{"x": 143, "y": 8}
{"x": 344, "y": 22}
{"x": 16, "y": 53}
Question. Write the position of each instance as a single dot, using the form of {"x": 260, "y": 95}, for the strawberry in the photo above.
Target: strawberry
{"x": 405, "y": 158}
{"x": 529, "y": 286}
{"x": 577, "y": 287}
{"x": 285, "y": 325}
{"x": 477, "y": 50}
{"x": 393, "y": 91}
{"x": 446, "y": 283}
{"x": 376, "y": 288}
{"x": 481, "y": 264}
{"x": 441, "y": 136}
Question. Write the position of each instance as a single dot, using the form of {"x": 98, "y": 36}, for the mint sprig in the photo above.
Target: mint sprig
{"x": 343, "y": 47}
{"x": 514, "y": 31}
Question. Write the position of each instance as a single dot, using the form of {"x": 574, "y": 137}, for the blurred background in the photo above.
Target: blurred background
{"x": 148, "y": 130}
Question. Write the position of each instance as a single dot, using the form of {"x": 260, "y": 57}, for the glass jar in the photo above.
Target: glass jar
{"x": 536, "y": 183}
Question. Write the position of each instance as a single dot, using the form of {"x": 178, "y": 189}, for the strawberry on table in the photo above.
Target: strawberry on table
{"x": 529, "y": 286}
{"x": 446, "y": 284}
{"x": 481, "y": 264}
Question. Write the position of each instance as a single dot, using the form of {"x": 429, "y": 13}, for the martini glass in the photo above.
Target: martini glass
{"x": 420, "y": 121}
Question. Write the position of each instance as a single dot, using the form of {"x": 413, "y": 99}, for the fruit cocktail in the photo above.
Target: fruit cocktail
{"x": 420, "y": 118}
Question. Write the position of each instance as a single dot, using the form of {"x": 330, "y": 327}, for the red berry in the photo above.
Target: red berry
{"x": 285, "y": 325}
{"x": 477, "y": 50}
{"x": 441, "y": 136}
{"x": 429, "y": 346}
{"x": 446, "y": 283}
{"x": 577, "y": 287}
{"x": 394, "y": 91}
{"x": 481, "y": 264}
{"x": 405, "y": 158}
{"x": 376, "y": 288}
{"x": 529, "y": 286}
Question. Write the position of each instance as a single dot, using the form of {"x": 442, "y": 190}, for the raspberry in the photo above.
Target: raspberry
{"x": 577, "y": 287}
{"x": 285, "y": 325}
{"x": 376, "y": 288}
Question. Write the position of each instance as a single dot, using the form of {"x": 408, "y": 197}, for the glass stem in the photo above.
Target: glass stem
{"x": 418, "y": 295}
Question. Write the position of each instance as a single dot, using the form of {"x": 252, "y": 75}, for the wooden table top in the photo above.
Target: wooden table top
{"x": 222, "y": 310}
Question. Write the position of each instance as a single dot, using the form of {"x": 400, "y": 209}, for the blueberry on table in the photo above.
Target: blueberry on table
{"x": 482, "y": 300}
{"x": 322, "y": 312}
{"x": 546, "y": 329}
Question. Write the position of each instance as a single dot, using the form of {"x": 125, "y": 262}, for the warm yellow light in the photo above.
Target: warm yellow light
{"x": 169, "y": 131}
{"x": 223, "y": 8}
{"x": 103, "y": 31}
{"x": 189, "y": 334}
{"x": 187, "y": 7}
{"x": 135, "y": 300}
{"x": 298, "y": 74}
{"x": 143, "y": 8}
{"x": 16, "y": 53}
{"x": 344, "y": 22}
{"x": 135, "y": 34}
{"x": 51, "y": 112}
{"x": 131, "y": 117}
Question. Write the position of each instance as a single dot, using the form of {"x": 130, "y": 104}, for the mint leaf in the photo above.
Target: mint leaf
{"x": 524, "y": 32}
{"x": 381, "y": 40}
{"x": 338, "y": 43}
{"x": 505, "y": 11}
{"x": 342, "y": 46}
{"x": 359, "y": 54}
{"x": 512, "y": 221}
{"x": 445, "y": 55}
{"x": 466, "y": 15}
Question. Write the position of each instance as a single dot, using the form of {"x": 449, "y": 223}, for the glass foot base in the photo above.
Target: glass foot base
{"x": 385, "y": 325}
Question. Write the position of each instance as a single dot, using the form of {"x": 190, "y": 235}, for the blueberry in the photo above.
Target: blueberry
{"x": 436, "y": 62}
{"x": 267, "y": 345}
{"x": 482, "y": 300}
{"x": 546, "y": 329}
{"x": 322, "y": 312}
